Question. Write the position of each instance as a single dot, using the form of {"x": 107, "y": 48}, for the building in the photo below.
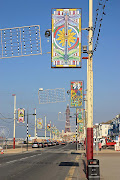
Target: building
{"x": 100, "y": 130}
{"x": 114, "y": 131}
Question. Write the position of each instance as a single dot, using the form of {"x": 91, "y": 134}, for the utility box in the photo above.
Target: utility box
{"x": 93, "y": 169}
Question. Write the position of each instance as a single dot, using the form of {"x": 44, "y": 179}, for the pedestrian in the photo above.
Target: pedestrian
{"x": 100, "y": 146}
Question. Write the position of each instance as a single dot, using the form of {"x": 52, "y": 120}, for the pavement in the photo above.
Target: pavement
{"x": 17, "y": 150}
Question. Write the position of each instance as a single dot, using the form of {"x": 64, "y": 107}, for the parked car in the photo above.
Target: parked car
{"x": 35, "y": 145}
{"x": 63, "y": 143}
{"x": 45, "y": 144}
{"x": 54, "y": 143}
{"x": 57, "y": 143}
{"x": 41, "y": 145}
{"x": 50, "y": 144}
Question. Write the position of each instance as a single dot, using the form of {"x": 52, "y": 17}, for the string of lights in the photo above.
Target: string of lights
{"x": 20, "y": 41}
{"x": 98, "y": 23}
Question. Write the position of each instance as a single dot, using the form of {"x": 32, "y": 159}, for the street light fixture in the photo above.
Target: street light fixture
{"x": 84, "y": 49}
{"x": 97, "y": 136}
{"x": 14, "y": 120}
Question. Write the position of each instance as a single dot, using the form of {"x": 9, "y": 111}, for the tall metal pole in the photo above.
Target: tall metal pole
{"x": 45, "y": 127}
{"x": 35, "y": 123}
{"x": 14, "y": 120}
{"x": 50, "y": 130}
{"x": 76, "y": 130}
{"x": 90, "y": 87}
{"x": 27, "y": 130}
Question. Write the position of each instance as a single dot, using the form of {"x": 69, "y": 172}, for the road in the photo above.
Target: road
{"x": 50, "y": 163}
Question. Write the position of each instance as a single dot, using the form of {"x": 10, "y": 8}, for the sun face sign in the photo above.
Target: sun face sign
{"x": 70, "y": 37}
{"x": 66, "y": 38}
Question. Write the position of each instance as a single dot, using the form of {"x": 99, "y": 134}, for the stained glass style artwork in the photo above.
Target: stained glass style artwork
{"x": 39, "y": 123}
{"x": 80, "y": 118}
{"x": 48, "y": 127}
{"x": 76, "y": 94}
{"x": 66, "y": 38}
{"x": 81, "y": 128}
{"x": 21, "y": 115}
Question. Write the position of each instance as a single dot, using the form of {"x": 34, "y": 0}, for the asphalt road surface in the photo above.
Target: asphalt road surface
{"x": 50, "y": 163}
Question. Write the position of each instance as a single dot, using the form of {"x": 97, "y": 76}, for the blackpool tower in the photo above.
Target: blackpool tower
{"x": 67, "y": 124}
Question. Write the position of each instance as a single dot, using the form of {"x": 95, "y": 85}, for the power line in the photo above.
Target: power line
{"x": 98, "y": 23}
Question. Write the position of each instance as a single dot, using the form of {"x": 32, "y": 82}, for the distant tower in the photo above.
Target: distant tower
{"x": 67, "y": 125}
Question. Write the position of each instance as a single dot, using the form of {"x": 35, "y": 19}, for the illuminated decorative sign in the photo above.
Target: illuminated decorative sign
{"x": 66, "y": 38}
{"x": 53, "y": 130}
{"x": 48, "y": 127}
{"x": 39, "y": 123}
{"x": 21, "y": 115}
{"x": 76, "y": 94}
{"x": 81, "y": 128}
{"x": 80, "y": 117}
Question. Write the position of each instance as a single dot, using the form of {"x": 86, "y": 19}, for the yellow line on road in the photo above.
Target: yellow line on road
{"x": 72, "y": 170}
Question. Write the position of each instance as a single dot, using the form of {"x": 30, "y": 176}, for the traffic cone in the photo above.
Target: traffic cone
{"x": 2, "y": 152}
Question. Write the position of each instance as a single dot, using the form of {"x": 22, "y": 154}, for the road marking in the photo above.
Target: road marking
{"x": 11, "y": 161}
{"x": 16, "y": 160}
{"x": 71, "y": 171}
{"x": 23, "y": 158}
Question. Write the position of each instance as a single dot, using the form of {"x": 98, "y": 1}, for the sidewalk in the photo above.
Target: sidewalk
{"x": 109, "y": 161}
{"x": 18, "y": 150}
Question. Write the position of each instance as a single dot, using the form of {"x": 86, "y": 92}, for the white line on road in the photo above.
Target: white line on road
{"x": 16, "y": 160}
{"x": 11, "y": 161}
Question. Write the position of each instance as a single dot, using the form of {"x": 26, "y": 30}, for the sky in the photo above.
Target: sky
{"x": 23, "y": 76}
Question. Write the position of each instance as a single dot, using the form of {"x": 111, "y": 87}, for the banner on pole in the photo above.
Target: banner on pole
{"x": 48, "y": 127}
{"x": 39, "y": 123}
{"x": 66, "y": 38}
{"x": 81, "y": 128}
{"x": 53, "y": 130}
{"x": 21, "y": 115}
{"x": 56, "y": 131}
{"x": 80, "y": 117}
{"x": 76, "y": 94}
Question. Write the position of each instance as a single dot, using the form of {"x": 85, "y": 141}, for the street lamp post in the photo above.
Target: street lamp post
{"x": 76, "y": 132}
{"x": 45, "y": 127}
{"x": 97, "y": 137}
{"x": 35, "y": 123}
{"x": 14, "y": 120}
{"x": 27, "y": 130}
{"x": 90, "y": 86}
{"x": 50, "y": 130}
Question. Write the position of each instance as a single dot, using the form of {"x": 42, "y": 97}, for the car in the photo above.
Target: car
{"x": 63, "y": 143}
{"x": 57, "y": 143}
{"x": 50, "y": 144}
{"x": 41, "y": 145}
{"x": 35, "y": 145}
{"x": 54, "y": 143}
{"x": 45, "y": 144}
